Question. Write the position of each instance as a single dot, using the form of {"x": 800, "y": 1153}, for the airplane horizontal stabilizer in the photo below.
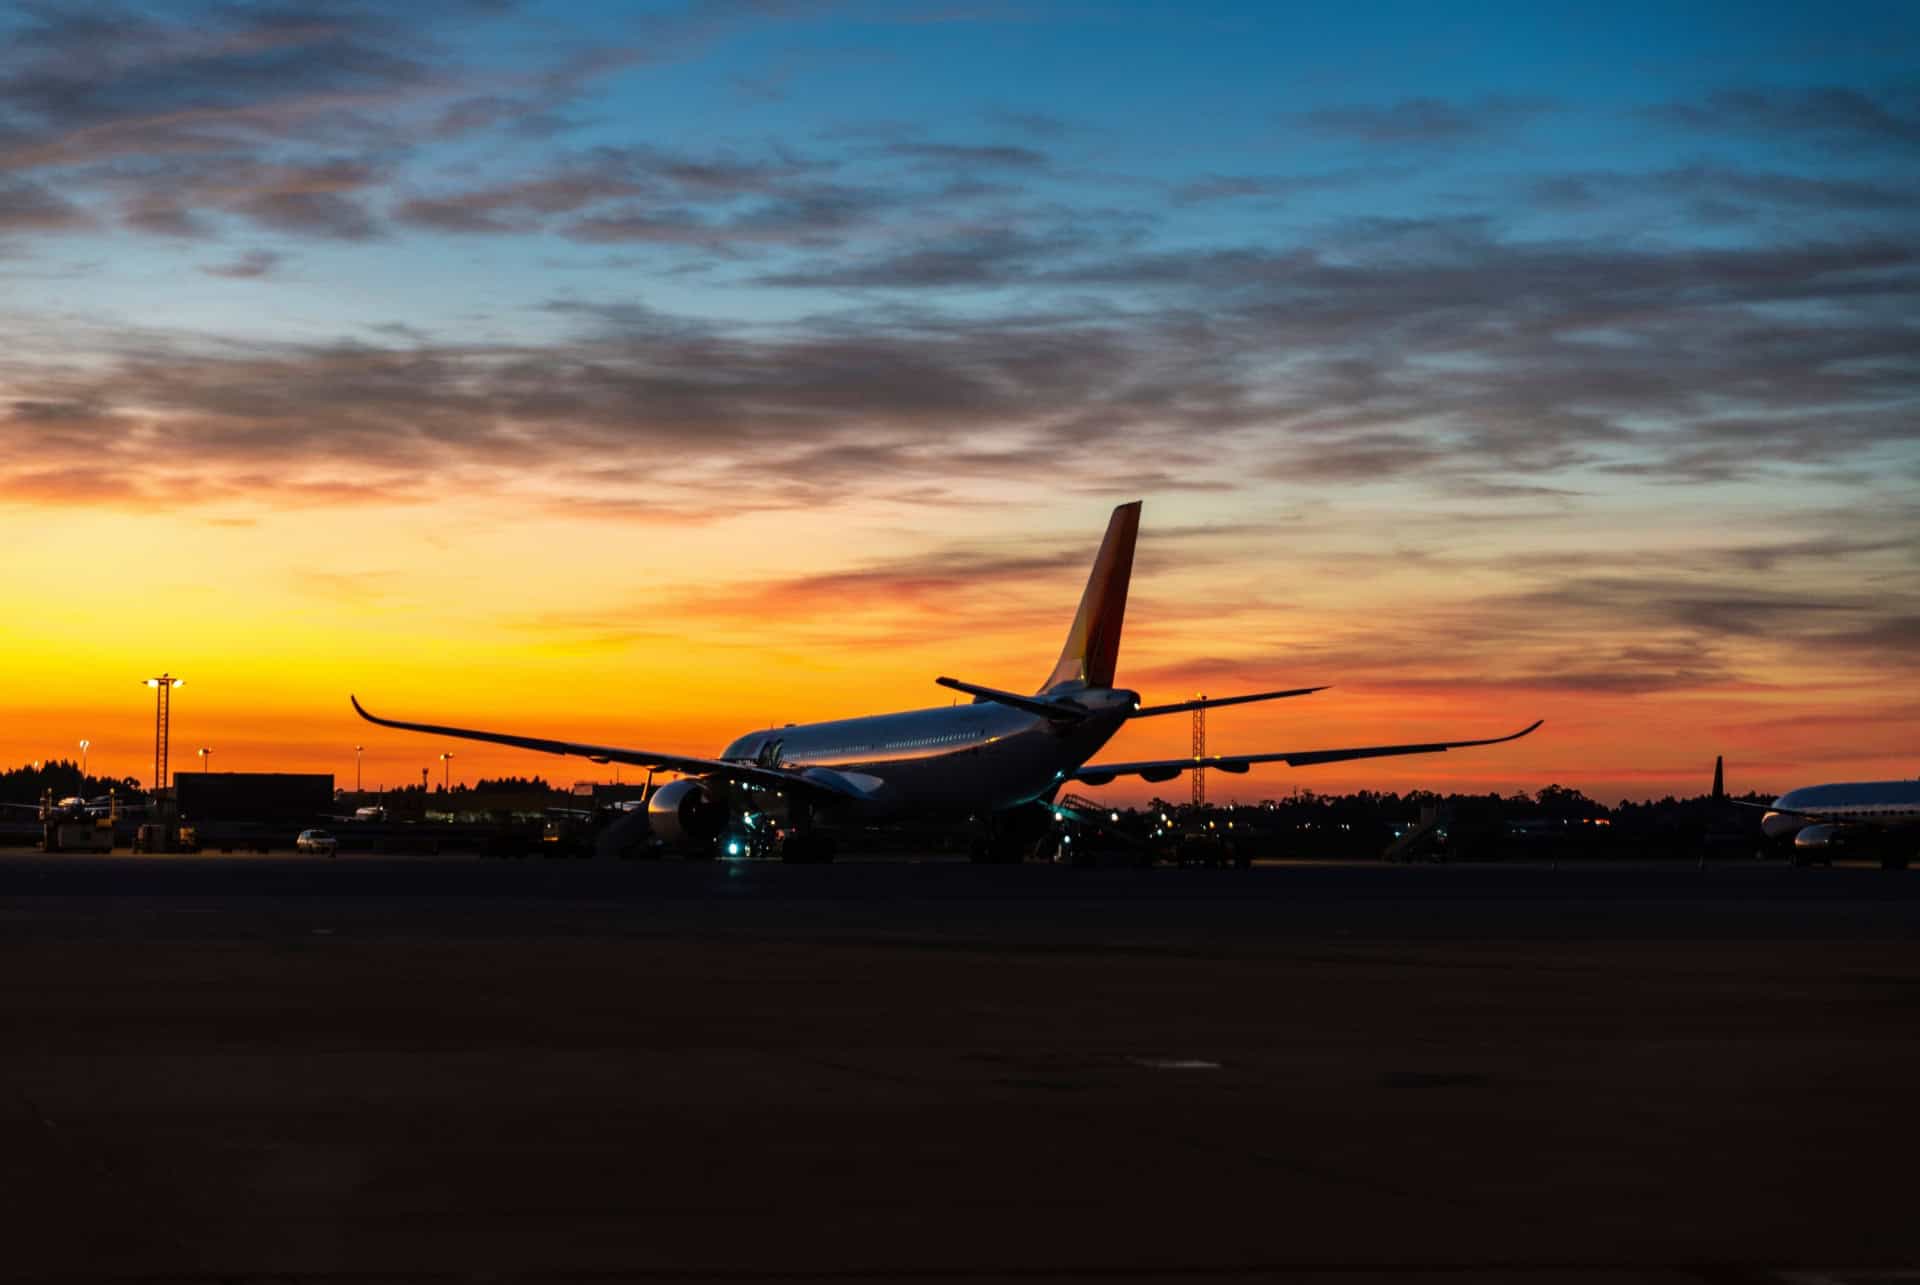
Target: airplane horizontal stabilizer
{"x": 1167, "y": 769}
{"x": 1213, "y": 702}
{"x": 1053, "y": 707}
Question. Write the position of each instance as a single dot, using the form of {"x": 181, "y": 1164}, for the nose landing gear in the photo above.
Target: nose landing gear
{"x": 802, "y": 843}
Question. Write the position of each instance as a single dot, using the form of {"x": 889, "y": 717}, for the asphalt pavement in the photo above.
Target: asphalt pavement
{"x": 240, "y": 1068}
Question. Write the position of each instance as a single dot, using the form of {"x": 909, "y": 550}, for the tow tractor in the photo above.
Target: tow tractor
{"x": 758, "y": 836}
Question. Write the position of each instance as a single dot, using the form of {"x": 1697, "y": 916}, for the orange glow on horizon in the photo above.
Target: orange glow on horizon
{"x": 546, "y": 626}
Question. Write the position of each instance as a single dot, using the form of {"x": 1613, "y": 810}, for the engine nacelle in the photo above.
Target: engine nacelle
{"x": 1817, "y": 836}
{"x": 1782, "y": 825}
{"x": 684, "y": 814}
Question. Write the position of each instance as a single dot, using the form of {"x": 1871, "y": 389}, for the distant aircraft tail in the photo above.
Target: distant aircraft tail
{"x": 1093, "y": 644}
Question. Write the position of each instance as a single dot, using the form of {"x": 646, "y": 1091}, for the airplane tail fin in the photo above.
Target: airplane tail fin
{"x": 1093, "y": 644}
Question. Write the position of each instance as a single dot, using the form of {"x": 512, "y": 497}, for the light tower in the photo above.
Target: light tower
{"x": 356, "y": 767}
{"x": 163, "y": 690}
{"x": 446, "y": 771}
{"x": 206, "y": 758}
{"x": 1200, "y": 752}
{"x": 84, "y": 746}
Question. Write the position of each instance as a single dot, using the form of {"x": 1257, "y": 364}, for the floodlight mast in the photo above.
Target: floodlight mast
{"x": 1199, "y": 754}
{"x": 163, "y": 690}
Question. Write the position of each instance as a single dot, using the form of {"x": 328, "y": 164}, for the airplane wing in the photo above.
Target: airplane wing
{"x": 1167, "y": 769}
{"x": 817, "y": 782}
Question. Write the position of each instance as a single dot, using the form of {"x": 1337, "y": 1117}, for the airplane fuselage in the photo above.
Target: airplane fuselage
{"x": 1876, "y": 804}
{"x": 981, "y": 757}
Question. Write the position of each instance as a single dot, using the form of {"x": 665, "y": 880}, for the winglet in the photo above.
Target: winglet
{"x": 361, "y": 710}
{"x": 1527, "y": 730}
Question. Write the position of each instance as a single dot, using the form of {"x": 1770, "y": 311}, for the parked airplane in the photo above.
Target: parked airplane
{"x": 74, "y": 805}
{"x": 1878, "y": 817}
{"x": 1000, "y": 758}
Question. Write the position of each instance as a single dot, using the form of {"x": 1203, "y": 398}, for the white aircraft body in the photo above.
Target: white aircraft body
{"x": 1882, "y": 816}
{"x": 1002, "y": 754}
{"x": 75, "y": 805}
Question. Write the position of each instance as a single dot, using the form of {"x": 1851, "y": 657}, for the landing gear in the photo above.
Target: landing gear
{"x": 803, "y": 843}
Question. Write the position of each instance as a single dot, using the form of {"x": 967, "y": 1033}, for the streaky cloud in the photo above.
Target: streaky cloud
{"x": 1425, "y": 121}
{"x": 1821, "y": 111}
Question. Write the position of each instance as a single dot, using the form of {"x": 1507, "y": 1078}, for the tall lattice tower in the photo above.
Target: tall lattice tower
{"x": 1200, "y": 752}
{"x": 163, "y": 709}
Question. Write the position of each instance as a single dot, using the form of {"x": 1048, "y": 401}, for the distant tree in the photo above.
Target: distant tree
{"x": 1560, "y": 801}
{"x": 516, "y": 784}
{"x": 62, "y": 778}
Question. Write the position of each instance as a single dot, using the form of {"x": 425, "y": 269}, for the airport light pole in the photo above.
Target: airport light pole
{"x": 163, "y": 691}
{"x": 356, "y": 767}
{"x": 206, "y": 759}
{"x": 84, "y": 744}
{"x": 446, "y": 770}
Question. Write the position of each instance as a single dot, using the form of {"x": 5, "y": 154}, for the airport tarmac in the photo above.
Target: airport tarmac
{"x": 234, "y": 1068}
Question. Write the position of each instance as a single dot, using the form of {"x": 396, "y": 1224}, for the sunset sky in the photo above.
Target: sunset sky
{"x": 646, "y": 373}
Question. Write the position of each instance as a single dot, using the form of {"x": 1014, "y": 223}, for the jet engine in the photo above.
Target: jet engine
{"x": 1817, "y": 836}
{"x": 1782, "y": 825}
{"x": 684, "y": 814}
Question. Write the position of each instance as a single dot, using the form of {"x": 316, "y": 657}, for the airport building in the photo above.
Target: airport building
{"x": 275, "y": 800}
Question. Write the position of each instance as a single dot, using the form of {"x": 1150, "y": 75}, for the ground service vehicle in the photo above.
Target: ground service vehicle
{"x": 318, "y": 842}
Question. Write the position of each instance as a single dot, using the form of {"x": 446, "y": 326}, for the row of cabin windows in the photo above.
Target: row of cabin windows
{"x": 918, "y": 743}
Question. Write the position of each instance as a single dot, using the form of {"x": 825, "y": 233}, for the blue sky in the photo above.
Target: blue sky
{"x": 1079, "y": 127}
